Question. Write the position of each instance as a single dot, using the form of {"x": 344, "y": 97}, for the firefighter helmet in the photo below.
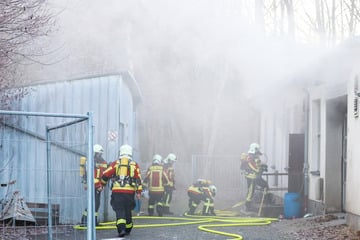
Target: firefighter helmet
{"x": 157, "y": 159}
{"x": 212, "y": 189}
{"x": 171, "y": 157}
{"x": 254, "y": 148}
{"x": 98, "y": 148}
{"x": 125, "y": 151}
{"x": 204, "y": 182}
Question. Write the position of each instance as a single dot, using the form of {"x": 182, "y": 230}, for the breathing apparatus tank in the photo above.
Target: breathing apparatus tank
{"x": 123, "y": 170}
{"x": 82, "y": 166}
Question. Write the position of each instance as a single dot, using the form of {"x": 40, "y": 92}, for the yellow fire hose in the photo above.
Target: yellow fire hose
{"x": 223, "y": 219}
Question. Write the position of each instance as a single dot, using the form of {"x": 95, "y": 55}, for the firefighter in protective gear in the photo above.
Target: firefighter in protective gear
{"x": 125, "y": 173}
{"x": 253, "y": 173}
{"x": 156, "y": 178}
{"x": 168, "y": 163}
{"x": 99, "y": 166}
{"x": 202, "y": 191}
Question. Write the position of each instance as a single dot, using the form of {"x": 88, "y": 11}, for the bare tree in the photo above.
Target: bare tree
{"x": 21, "y": 23}
{"x": 259, "y": 13}
{"x": 290, "y": 16}
{"x": 333, "y": 20}
{"x": 279, "y": 17}
{"x": 322, "y": 21}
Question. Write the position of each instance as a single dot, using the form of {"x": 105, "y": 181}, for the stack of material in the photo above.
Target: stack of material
{"x": 16, "y": 209}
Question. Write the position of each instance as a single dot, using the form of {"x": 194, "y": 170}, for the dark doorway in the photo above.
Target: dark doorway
{"x": 296, "y": 162}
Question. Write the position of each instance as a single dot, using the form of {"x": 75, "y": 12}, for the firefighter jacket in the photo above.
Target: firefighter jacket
{"x": 198, "y": 189}
{"x": 99, "y": 167}
{"x": 252, "y": 168}
{"x": 156, "y": 178}
{"x": 170, "y": 172}
{"x": 125, "y": 174}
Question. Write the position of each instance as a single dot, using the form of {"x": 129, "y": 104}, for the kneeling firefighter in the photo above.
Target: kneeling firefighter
{"x": 202, "y": 191}
{"x": 125, "y": 173}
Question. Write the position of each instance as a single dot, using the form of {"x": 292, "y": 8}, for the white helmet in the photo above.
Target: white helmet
{"x": 125, "y": 151}
{"x": 212, "y": 189}
{"x": 171, "y": 157}
{"x": 254, "y": 148}
{"x": 98, "y": 148}
{"x": 157, "y": 159}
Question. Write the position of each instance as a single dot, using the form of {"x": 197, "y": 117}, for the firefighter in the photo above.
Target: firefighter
{"x": 202, "y": 191}
{"x": 99, "y": 166}
{"x": 168, "y": 163}
{"x": 125, "y": 174}
{"x": 156, "y": 178}
{"x": 253, "y": 174}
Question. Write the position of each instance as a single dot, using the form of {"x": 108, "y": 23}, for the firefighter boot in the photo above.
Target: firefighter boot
{"x": 83, "y": 220}
{"x": 121, "y": 229}
{"x": 122, "y": 233}
{"x": 212, "y": 211}
{"x": 159, "y": 210}
{"x": 192, "y": 210}
{"x": 205, "y": 211}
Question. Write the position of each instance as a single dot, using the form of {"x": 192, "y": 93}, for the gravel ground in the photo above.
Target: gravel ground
{"x": 315, "y": 228}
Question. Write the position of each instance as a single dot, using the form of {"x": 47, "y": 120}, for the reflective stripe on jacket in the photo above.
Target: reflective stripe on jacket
{"x": 252, "y": 169}
{"x": 156, "y": 178}
{"x": 130, "y": 182}
{"x": 171, "y": 176}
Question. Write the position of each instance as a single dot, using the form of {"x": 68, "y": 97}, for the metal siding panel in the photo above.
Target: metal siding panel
{"x": 126, "y": 108}
{"x": 101, "y": 109}
{"x": 111, "y": 101}
{"x": 112, "y": 127}
{"x": 113, "y": 118}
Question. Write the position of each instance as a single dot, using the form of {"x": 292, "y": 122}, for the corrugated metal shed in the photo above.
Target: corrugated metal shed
{"x": 111, "y": 98}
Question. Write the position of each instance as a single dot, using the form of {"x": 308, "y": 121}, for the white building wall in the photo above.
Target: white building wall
{"x": 325, "y": 118}
{"x": 353, "y": 155}
{"x": 316, "y": 144}
{"x": 276, "y": 125}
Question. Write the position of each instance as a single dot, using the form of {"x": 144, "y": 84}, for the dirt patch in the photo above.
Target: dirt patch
{"x": 329, "y": 226}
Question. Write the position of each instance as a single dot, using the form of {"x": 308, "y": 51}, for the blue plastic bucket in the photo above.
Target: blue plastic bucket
{"x": 292, "y": 208}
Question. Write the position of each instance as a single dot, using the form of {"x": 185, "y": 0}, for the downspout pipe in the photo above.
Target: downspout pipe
{"x": 306, "y": 159}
